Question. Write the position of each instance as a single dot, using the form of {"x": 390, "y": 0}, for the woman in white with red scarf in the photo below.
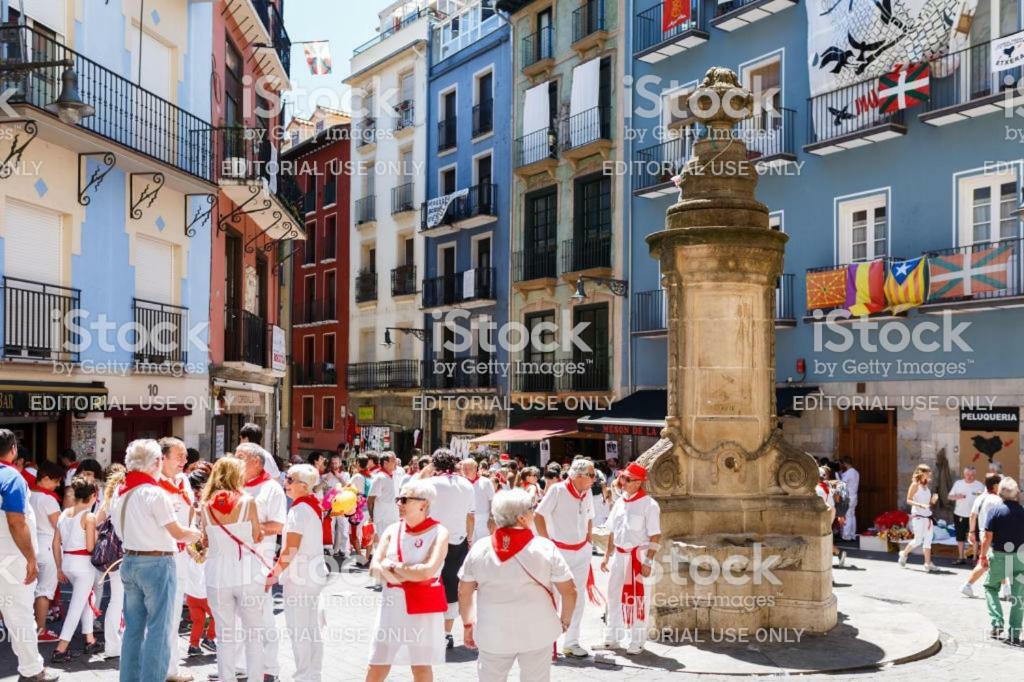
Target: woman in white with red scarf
{"x": 515, "y": 576}
{"x": 408, "y": 561}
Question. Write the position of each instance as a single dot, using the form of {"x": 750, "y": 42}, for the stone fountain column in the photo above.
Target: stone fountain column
{"x": 736, "y": 498}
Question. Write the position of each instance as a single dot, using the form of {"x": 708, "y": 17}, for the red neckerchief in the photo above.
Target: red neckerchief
{"x": 313, "y": 503}
{"x": 507, "y": 542}
{"x": 425, "y": 524}
{"x": 639, "y": 494}
{"x": 262, "y": 478}
{"x": 37, "y": 489}
{"x": 472, "y": 481}
{"x": 5, "y": 464}
{"x": 572, "y": 489}
{"x": 382, "y": 470}
{"x": 223, "y": 501}
{"x": 29, "y": 478}
{"x": 365, "y": 473}
{"x": 173, "y": 489}
{"x": 372, "y": 468}
{"x": 133, "y": 479}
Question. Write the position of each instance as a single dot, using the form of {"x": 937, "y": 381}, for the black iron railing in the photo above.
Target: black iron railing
{"x": 586, "y": 127}
{"x": 587, "y": 19}
{"x": 483, "y": 117}
{"x": 367, "y": 131}
{"x": 245, "y": 337}
{"x": 160, "y": 332}
{"x": 596, "y": 374}
{"x": 459, "y": 287}
{"x": 590, "y": 252}
{"x": 271, "y": 17}
{"x": 843, "y": 268}
{"x": 446, "y": 133}
{"x": 728, "y": 6}
{"x": 658, "y": 164}
{"x": 847, "y": 111}
{"x": 402, "y": 198}
{"x": 647, "y": 29}
{"x": 309, "y": 199}
{"x": 36, "y": 320}
{"x": 479, "y": 200}
{"x": 648, "y": 312}
{"x": 784, "y": 309}
{"x": 769, "y": 133}
{"x": 366, "y": 210}
{"x": 125, "y": 113}
{"x": 242, "y": 154}
{"x": 999, "y": 268}
{"x": 538, "y": 46}
{"x": 965, "y": 76}
{"x": 533, "y": 376}
{"x": 403, "y": 280}
{"x": 291, "y": 195}
{"x": 316, "y": 310}
{"x": 331, "y": 190}
{"x": 366, "y": 286}
{"x": 314, "y": 374}
{"x": 397, "y": 25}
{"x": 467, "y": 373}
{"x": 538, "y": 262}
{"x": 536, "y": 146}
{"x": 364, "y": 376}
{"x": 406, "y": 112}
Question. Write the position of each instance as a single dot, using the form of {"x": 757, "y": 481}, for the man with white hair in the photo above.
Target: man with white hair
{"x": 483, "y": 490}
{"x": 963, "y": 493}
{"x": 173, "y": 480}
{"x": 271, "y": 509}
{"x": 253, "y": 433}
{"x": 565, "y": 516}
{"x": 383, "y": 489}
{"x": 144, "y": 519}
{"x": 1004, "y": 536}
{"x": 515, "y": 577}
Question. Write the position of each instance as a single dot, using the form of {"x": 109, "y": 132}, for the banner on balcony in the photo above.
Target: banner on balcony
{"x": 438, "y": 206}
{"x": 674, "y": 13}
{"x": 318, "y": 57}
{"x": 904, "y": 87}
{"x": 1007, "y": 52}
{"x": 826, "y": 289}
{"x": 981, "y": 271}
{"x": 906, "y": 284}
{"x": 865, "y": 288}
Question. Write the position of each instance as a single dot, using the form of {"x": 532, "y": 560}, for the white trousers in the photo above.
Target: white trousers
{"x": 304, "y": 618}
{"x": 534, "y": 666}
{"x": 341, "y": 540}
{"x": 180, "y": 572}
{"x": 46, "y": 584}
{"x": 922, "y": 529}
{"x": 112, "y": 615}
{"x": 231, "y": 606}
{"x": 579, "y": 565}
{"x": 16, "y": 608}
{"x": 849, "y": 531}
{"x": 618, "y": 573}
{"x": 82, "y": 576}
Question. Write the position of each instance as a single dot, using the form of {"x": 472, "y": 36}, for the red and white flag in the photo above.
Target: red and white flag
{"x": 674, "y": 13}
{"x": 318, "y": 57}
{"x": 903, "y": 87}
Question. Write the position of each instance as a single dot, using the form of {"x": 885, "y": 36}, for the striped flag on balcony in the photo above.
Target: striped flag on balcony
{"x": 318, "y": 57}
{"x": 674, "y": 13}
{"x": 865, "y": 288}
{"x": 903, "y": 87}
{"x": 826, "y": 289}
{"x": 906, "y": 284}
{"x": 968, "y": 273}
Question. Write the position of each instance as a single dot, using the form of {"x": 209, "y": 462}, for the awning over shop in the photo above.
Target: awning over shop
{"x": 531, "y": 430}
{"x": 52, "y": 396}
{"x": 641, "y": 413}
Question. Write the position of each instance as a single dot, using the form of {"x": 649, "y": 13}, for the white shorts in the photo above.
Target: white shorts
{"x": 46, "y": 585}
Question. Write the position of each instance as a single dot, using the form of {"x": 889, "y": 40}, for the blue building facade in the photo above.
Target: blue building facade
{"x": 465, "y": 221}
{"x": 850, "y": 183}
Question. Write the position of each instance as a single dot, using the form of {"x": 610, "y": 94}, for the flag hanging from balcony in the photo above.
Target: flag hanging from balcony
{"x": 865, "y": 288}
{"x": 1007, "y": 52}
{"x": 906, "y": 284}
{"x": 903, "y": 87}
{"x": 318, "y": 57}
{"x": 969, "y": 273}
{"x": 826, "y": 289}
{"x": 438, "y": 207}
{"x": 674, "y": 13}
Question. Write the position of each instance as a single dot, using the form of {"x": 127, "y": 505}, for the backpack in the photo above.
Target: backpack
{"x": 108, "y": 547}
{"x": 842, "y": 497}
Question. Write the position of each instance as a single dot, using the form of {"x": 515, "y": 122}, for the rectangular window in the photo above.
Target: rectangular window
{"x": 233, "y": 74}
{"x": 990, "y": 201}
{"x": 541, "y": 221}
{"x": 863, "y": 229}
{"x": 546, "y": 336}
{"x": 330, "y": 295}
{"x": 307, "y": 411}
{"x": 328, "y": 413}
{"x": 331, "y": 238}
{"x": 310, "y": 244}
{"x": 448, "y": 181}
{"x": 329, "y": 350}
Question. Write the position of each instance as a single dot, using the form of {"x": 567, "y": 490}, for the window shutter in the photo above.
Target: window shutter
{"x": 154, "y": 270}
{"x": 32, "y": 243}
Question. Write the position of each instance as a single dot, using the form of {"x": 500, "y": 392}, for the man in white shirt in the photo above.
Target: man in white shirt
{"x": 46, "y": 506}
{"x": 964, "y": 492}
{"x": 271, "y": 509}
{"x": 381, "y": 501}
{"x": 851, "y": 477}
{"x": 483, "y": 490}
{"x": 635, "y": 531}
{"x": 176, "y": 483}
{"x": 978, "y": 520}
{"x": 565, "y": 516}
{"x": 454, "y": 507}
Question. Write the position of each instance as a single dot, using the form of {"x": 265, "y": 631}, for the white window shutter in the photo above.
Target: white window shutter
{"x": 33, "y": 244}
{"x": 154, "y": 270}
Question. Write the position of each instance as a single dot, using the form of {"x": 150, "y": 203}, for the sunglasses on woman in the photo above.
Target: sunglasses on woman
{"x": 405, "y": 498}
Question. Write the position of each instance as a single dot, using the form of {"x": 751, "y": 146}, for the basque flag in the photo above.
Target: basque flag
{"x": 904, "y": 87}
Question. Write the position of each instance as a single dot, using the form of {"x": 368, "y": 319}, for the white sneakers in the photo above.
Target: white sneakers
{"x": 575, "y": 651}
{"x": 967, "y": 590}
{"x": 634, "y": 649}
{"x": 903, "y": 560}
{"x": 929, "y": 567}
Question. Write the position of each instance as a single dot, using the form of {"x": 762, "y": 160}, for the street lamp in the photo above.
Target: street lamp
{"x": 420, "y": 334}
{"x": 619, "y": 287}
{"x": 69, "y": 106}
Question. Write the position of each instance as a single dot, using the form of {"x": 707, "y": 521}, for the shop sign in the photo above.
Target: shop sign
{"x": 365, "y": 414}
{"x": 278, "y": 351}
{"x": 649, "y": 430}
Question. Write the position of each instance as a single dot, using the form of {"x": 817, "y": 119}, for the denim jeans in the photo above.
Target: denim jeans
{"x": 149, "y": 584}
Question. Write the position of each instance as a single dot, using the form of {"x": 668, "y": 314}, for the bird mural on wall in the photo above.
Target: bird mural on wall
{"x": 989, "y": 446}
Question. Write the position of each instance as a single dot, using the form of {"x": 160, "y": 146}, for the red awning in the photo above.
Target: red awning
{"x": 531, "y": 431}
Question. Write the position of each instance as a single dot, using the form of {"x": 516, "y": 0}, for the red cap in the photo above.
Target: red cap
{"x": 636, "y": 471}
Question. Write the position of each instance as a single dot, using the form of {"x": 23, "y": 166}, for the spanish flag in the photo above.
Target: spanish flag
{"x": 906, "y": 284}
{"x": 865, "y": 288}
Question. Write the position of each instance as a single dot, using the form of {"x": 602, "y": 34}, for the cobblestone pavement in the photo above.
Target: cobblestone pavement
{"x": 966, "y": 654}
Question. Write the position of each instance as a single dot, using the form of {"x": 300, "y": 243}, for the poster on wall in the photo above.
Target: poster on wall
{"x": 278, "y": 352}
{"x": 545, "y": 453}
{"x": 83, "y": 439}
{"x": 611, "y": 449}
{"x": 991, "y": 436}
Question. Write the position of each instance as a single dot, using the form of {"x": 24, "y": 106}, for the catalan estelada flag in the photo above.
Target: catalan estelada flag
{"x": 905, "y": 87}
{"x": 865, "y": 288}
{"x": 674, "y": 13}
{"x": 826, "y": 289}
{"x": 980, "y": 271}
{"x": 906, "y": 284}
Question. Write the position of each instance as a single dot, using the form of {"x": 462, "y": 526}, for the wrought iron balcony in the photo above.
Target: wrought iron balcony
{"x": 586, "y": 128}
{"x": 596, "y": 374}
{"x": 315, "y": 310}
{"x": 530, "y": 376}
{"x": 366, "y": 286}
{"x": 476, "y": 284}
{"x": 245, "y": 337}
{"x": 733, "y": 14}
{"x": 587, "y": 253}
{"x": 402, "y": 198}
{"x": 126, "y": 114}
{"x": 271, "y": 17}
{"x": 483, "y": 117}
{"x": 396, "y": 26}
{"x": 1000, "y": 282}
{"x": 447, "y": 133}
{"x": 651, "y": 43}
{"x": 785, "y": 313}
{"x": 367, "y": 131}
{"x": 587, "y": 20}
{"x": 648, "y": 312}
{"x": 536, "y": 147}
{"x": 243, "y": 154}
{"x": 368, "y": 376}
{"x": 36, "y": 320}
{"x": 655, "y": 166}
{"x": 848, "y": 117}
{"x": 538, "y": 49}
{"x": 366, "y": 210}
{"x": 477, "y": 206}
{"x": 161, "y": 330}
{"x": 314, "y": 374}
{"x": 770, "y": 136}
{"x": 473, "y": 372}
{"x": 963, "y": 86}
{"x": 403, "y": 280}
{"x": 539, "y": 262}
{"x": 406, "y": 111}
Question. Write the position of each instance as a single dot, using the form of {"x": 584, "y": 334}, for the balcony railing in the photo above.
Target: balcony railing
{"x": 330, "y": 190}
{"x": 365, "y": 376}
{"x": 586, "y": 127}
{"x": 161, "y": 330}
{"x": 316, "y": 310}
{"x": 309, "y": 200}
{"x": 960, "y": 78}
{"x": 274, "y": 23}
{"x": 314, "y": 374}
{"x": 530, "y": 376}
{"x": 586, "y": 253}
{"x": 243, "y": 154}
{"x": 538, "y": 262}
{"x": 366, "y": 286}
{"x": 479, "y": 200}
{"x": 848, "y": 112}
{"x": 403, "y": 280}
{"x": 769, "y": 134}
{"x": 587, "y": 20}
{"x": 596, "y": 374}
{"x": 999, "y": 266}
{"x": 841, "y": 269}
{"x": 460, "y": 287}
{"x": 366, "y": 210}
{"x": 446, "y": 133}
{"x": 469, "y": 373}
{"x": 396, "y": 26}
{"x": 538, "y": 46}
{"x": 367, "y": 131}
{"x": 658, "y": 164}
{"x": 483, "y": 117}
{"x": 402, "y": 198}
{"x": 785, "y": 312}
{"x": 406, "y": 111}
{"x": 245, "y": 337}
{"x": 290, "y": 194}
{"x": 35, "y": 320}
{"x": 649, "y": 312}
{"x": 537, "y": 146}
{"x": 648, "y": 33}
{"x": 125, "y": 113}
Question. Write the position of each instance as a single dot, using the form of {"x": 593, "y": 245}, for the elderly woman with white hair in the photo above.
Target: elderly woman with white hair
{"x": 1003, "y": 538}
{"x": 408, "y": 560}
{"x": 144, "y": 519}
{"x": 515, "y": 577}
{"x": 303, "y": 572}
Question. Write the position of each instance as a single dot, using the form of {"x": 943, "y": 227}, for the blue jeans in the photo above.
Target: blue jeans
{"x": 149, "y": 584}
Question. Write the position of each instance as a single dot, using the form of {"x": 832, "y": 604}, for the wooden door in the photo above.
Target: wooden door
{"x": 869, "y": 437}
